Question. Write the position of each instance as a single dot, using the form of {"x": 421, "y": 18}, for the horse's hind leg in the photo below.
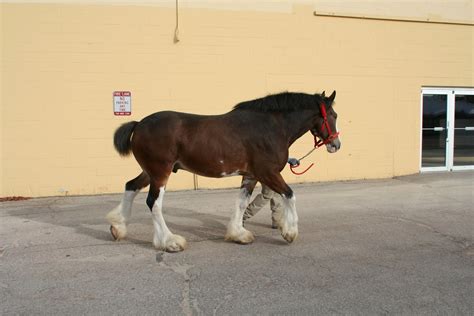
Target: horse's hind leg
{"x": 119, "y": 216}
{"x": 235, "y": 230}
{"x": 163, "y": 238}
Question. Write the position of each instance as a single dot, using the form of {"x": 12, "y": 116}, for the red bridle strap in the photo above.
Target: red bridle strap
{"x": 325, "y": 125}
{"x": 320, "y": 142}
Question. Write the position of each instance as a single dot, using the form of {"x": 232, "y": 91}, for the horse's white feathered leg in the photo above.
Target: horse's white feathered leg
{"x": 163, "y": 238}
{"x": 288, "y": 221}
{"x": 235, "y": 230}
{"x": 119, "y": 216}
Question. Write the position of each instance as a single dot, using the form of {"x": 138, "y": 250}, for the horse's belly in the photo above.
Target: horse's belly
{"x": 213, "y": 167}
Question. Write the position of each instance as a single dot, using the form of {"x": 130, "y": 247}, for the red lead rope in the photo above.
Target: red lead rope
{"x": 300, "y": 173}
{"x": 317, "y": 143}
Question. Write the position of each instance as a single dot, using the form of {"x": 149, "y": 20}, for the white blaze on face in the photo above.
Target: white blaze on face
{"x": 338, "y": 136}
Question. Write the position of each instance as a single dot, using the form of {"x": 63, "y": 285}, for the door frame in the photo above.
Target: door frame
{"x": 451, "y": 93}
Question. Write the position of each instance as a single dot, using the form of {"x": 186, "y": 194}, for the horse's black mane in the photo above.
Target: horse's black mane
{"x": 281, "y": 102}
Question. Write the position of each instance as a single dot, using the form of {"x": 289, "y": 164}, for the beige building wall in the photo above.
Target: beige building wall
{"x": 61, "y": 62}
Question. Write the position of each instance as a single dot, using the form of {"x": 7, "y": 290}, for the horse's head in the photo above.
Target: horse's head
{"x": 325, "y": 124}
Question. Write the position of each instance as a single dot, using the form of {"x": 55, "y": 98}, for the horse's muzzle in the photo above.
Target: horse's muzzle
{"x": 333, "y": 146}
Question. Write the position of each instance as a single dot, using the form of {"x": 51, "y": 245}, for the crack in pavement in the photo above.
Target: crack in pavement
{"x": 182, "y": 270}
{"x": 464, "y": 243}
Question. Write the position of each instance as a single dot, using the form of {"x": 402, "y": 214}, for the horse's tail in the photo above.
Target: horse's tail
{"x": 122, "y": 138}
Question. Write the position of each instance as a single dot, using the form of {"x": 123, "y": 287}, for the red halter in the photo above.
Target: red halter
{"x": 325, "y": 125}
{"x": 320, "y": 142}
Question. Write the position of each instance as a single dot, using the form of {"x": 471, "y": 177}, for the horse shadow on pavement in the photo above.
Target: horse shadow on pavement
{"x": 86, "y": 217}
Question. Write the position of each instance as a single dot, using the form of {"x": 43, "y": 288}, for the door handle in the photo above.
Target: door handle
{"x": 469, "y": 128}
{"x": 438, "y": 129}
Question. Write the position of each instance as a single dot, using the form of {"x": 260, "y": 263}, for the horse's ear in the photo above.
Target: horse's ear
{"x": 332, "y": 96}
{"x": 323, "y": 95}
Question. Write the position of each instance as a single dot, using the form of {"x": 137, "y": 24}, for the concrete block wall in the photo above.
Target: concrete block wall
{"x": 60, "y": 64}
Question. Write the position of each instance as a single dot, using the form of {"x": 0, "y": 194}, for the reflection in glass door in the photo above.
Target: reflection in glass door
{"x": 435, "y": 130}
{"x": 463, "y": 130}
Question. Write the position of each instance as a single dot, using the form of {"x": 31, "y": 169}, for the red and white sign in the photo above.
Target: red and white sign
{"x": 122, "y": 103}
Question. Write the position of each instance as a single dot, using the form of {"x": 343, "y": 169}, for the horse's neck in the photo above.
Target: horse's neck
{"x": 297, "y": 124}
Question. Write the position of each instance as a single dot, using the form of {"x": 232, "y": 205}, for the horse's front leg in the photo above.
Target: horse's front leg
{"x": 235, "y": 229}
{"x": 287, "y": 221}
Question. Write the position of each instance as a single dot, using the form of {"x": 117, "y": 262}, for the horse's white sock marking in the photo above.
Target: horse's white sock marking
{"x": 289, "y": 220}
{"x": 235, "y": 230}
{"x": 292, "y": 216}
{"x": 127, "y": 202}
{"x": 161, "y": 230}
{"x": 163, "y": 238}
{"x": 119, "y": 216}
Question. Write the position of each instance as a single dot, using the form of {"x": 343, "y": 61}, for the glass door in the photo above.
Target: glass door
{"x": 447, "y": 136}
{"x": 463, "y": 131}
{"x": 435, "y": 131}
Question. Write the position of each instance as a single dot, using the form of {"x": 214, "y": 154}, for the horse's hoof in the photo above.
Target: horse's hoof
{"x": 175, "y": 248}
{"x": 290, "y": 236}
{"x": 117, "y": 234}
{"x": 114, "y": 232}
{"x": 174, "y": 243}
{"x": 245, "y": 241}
{"x": 243, "y": 238}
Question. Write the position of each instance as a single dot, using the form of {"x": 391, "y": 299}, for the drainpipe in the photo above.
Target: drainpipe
{"x": 195, "y": 180}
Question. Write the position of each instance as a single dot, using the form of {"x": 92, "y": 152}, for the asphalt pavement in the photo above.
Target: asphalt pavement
{"x": 391, "y": 246}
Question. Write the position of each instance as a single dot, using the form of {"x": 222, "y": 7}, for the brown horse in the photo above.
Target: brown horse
{"x": 252, "y": 141}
